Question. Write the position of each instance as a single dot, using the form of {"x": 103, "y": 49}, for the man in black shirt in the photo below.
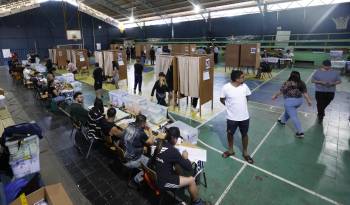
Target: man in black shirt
{"x": 98, "y": 77}
{"x": 77, "y": 111}
{"x": 52, "y": 90}
{"x": 138, "y": 69}
{"x": 165, "y": 160}
{"x": 108, "y": 126}
{"x": 152, "y": 54}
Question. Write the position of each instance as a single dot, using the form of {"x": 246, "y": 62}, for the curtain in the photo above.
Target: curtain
{"x": 50, "y": 55}
{"x": 183, "y": 74}
{"x": 74, "y": 57}
{"x": 99, "y": 58}
{"x": 162, "y": 64}
{"x": 69, "y": 55}
{"x": 108, "y": 66}
{"x": 54, "y": 53}
{"x": 193, "y": 76}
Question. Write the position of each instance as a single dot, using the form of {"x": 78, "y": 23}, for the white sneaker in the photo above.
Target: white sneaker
{"x": 299, "y": 135}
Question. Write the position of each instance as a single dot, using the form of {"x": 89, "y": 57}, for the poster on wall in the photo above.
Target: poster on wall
{"x": 81, "y": 57}
{"x": 98, "y": 46}
{"x": 252, "y": 50}
{"x": 120, "y": 59}
{"x": 207, "y": 64}
{"x": 6, "y": 53}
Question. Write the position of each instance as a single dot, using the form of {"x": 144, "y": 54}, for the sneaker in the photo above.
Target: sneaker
{"x": 134, "y": 91}
{"x": 299, "y": 135}
{"x": 280, "y": 122}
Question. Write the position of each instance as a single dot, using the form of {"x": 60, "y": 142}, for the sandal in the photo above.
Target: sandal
{"x": 248, "y": 159}
{"x": 227, "y": 154}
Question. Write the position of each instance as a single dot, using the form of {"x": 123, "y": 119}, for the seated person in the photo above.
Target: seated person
{"x": 49, "y": 66}
{"x": 77, "y": 110}
{"x": 135, "y": 139}
{"x": 26, "y": 73}
{"x": 166, "y": 158}
{"x": 108, "y": 126}
{"x": 71, "y": 67}
{"x": 264, "y": 68}
{"x": 52, "y": 90}
{"x": 95, "y": 120}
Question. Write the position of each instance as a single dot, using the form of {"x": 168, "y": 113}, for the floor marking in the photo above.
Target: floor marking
{"x": 265, "y": 171}
{"x": 272, "y": 174}
{"x": 257, "y": 87}
{"x": 278, "y": 107}
{"x": 309, "y": 78}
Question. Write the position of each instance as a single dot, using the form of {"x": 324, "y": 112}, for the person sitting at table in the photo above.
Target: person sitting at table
{"x": 26, "y": 72}
{"x": 264, "y": 68}
{"x": 52, "y": 90}
{"x": 134, "y": 140}
{"x": 95, "y": 120}
{"x": 289, "y": 55}
{"x": 77, "y": 111}
{"x": 72, "y": 68}
{"x": 49, "y": 66}
{"x": 109, "y": 129}
{"x": 166, "y": 157}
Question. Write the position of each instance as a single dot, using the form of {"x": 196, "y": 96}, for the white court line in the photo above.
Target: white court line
{"x": 273, "y": 175}
{"x": 267, "y": 172}
{"x": 309, "y": 78}
{"x": 273, "y": 106}
{"x": 257, "y": 87}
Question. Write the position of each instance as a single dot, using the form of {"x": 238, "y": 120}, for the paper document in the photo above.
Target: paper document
{"x": 194, "y": 154}
{"x": 206, "y": 75}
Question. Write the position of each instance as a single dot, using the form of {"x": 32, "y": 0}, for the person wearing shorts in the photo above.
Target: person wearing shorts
{"x": 234, "y": 97}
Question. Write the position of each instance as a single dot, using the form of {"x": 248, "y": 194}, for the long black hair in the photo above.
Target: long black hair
{"x": 98, "y": 106}
{"x": 295, "y": 76}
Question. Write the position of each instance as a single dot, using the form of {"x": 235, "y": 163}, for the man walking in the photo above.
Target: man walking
{"x": 325, "y": 80}
{"x": 234, "y": 97}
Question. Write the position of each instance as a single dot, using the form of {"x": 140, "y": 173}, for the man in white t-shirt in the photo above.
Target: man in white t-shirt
{"x": 234, "y": 97}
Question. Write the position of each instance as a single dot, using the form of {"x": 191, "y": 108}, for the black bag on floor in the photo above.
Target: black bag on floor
{"x": 15, "y": 133}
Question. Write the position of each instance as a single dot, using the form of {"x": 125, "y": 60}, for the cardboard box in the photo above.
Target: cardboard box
{"x": 2, "y": 92}
{"x": 52, "y": 194}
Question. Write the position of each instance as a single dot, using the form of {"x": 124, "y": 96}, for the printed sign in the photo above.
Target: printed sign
{"x": 6, "y": 53}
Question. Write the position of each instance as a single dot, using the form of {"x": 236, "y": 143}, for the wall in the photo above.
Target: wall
{"x": 299, "y": 21}
{"x": 43, "y": 28}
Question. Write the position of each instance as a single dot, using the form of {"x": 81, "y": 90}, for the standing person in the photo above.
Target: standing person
{"x": 128, "y": 53}
{"x": 234, "y": 96}
{"x": 216, "y": 54}
{"x": 115, "y": 73}
{"x": 72, "y": 68}
{"x": 293, "y": 91}
{"x": 143, "y": 58}
{"x": 166, "y": 158}
{"x": 325, "y": 80}
{"x": 161, "y": 88}
{"x": 98, "y": 77}
{"x": 135, "y": 139}
{"x": 138, "y": 69}
{"x": 152, "y": 54}
{"x": 289, "y": 55}
{"x": 133, "y": 55}
{"x": 169, "y": 80}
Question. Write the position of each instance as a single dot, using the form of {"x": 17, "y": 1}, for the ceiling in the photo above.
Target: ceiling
{"x": 145, "y": 9}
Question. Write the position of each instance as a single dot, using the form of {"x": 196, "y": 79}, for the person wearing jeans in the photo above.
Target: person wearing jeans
{"x": 293, "y": 90}
{"x": 325, "y": 80}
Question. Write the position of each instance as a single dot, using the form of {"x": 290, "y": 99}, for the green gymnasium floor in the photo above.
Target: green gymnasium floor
{"x": 287, "y": 170}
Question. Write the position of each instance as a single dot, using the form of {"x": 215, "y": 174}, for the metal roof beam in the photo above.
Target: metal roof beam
{"x": 152, "y": 7}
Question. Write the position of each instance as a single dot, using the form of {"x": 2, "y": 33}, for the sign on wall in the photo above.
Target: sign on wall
{"x": 6, "y": 53}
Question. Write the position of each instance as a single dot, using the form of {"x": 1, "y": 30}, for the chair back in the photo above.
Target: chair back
{"x": 150, "y": 177}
